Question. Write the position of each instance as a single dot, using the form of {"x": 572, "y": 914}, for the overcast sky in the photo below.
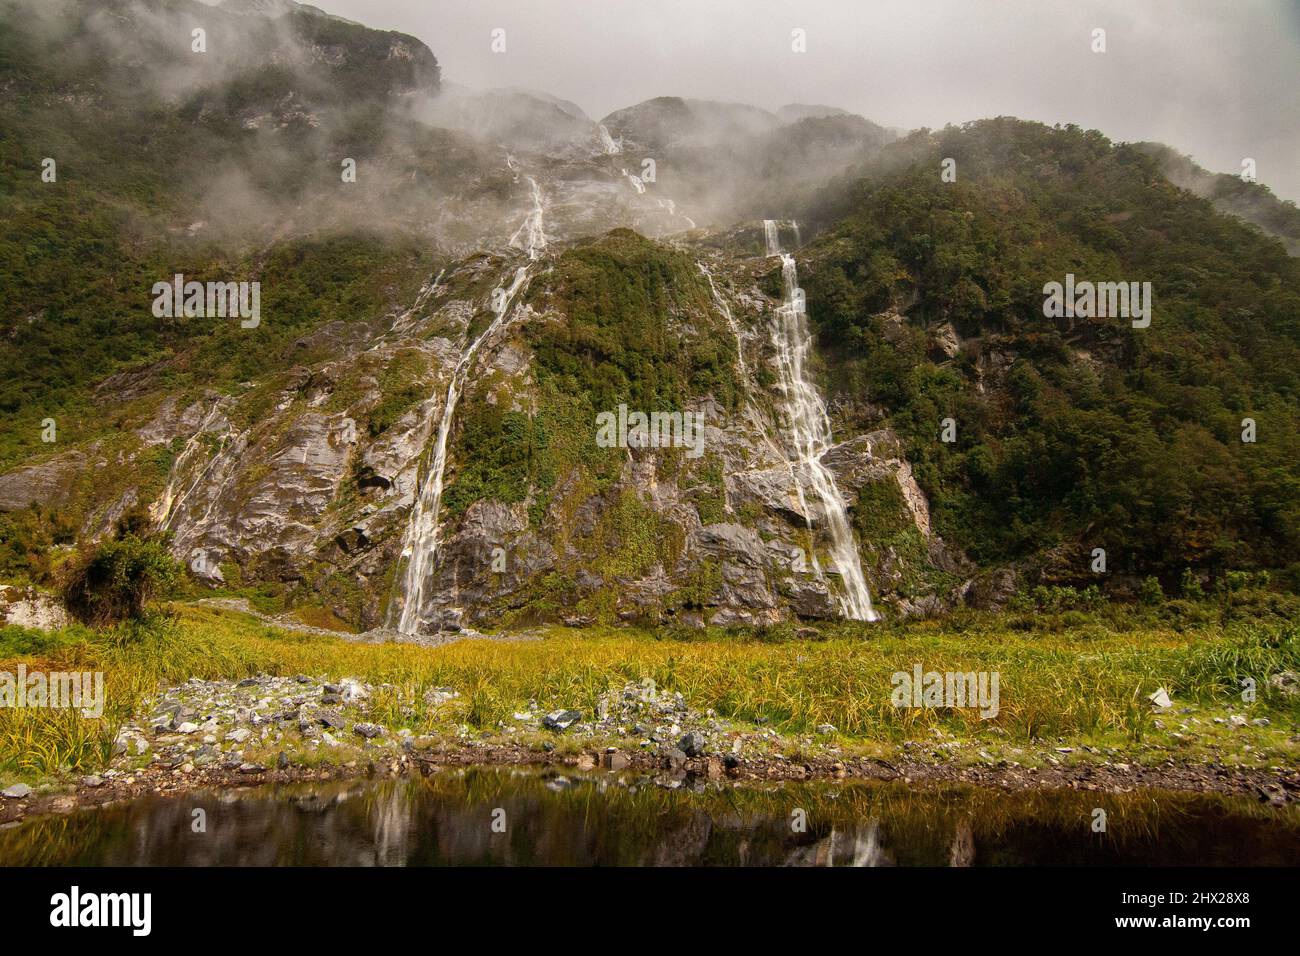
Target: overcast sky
{"x": 1217, "y": 79}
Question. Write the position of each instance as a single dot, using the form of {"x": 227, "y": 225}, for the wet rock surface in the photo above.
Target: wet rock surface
{"x": 28, "y": 607}
{"x": 311, "y": 495}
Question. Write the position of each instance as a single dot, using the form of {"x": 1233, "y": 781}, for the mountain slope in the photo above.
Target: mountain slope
{"x": 1253, "y": 202}
{"x": 1072, "y": 433}
{"x": 439, "y": 340}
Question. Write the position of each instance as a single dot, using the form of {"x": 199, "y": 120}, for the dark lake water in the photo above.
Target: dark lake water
{"x": 498, "y": 817}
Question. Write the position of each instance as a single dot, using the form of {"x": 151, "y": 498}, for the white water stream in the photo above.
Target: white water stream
{"x": 162, "y": 510}
{"x": 420, "y": 545}
{"x": 636, "y": 182}
{"x": 810, "y": 435}
{"x": 530, "y": 236}
{"x": 611, "y": 146}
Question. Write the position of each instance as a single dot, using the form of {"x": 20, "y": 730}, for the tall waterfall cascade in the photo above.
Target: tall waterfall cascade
{"x": 420, "y": 543}
{"x": 810, "y": 435}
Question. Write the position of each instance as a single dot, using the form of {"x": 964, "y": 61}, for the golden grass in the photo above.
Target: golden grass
{"x": 1088, "y": 681}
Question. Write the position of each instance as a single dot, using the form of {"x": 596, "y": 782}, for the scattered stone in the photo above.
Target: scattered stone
{"x": 692, "y": 744}
{"x": 561, "y": 719}
{"x": 251, "y": 768}
{"x": 1160, "y": 699}
{"x": 188, "y": 727}
{"x": 240, "y": 735}
{"x": 331, "y": 719}
{"x": 1287, "y": 682}
{"x": 615, "y": 761}
{"x": 354, "y": 691}
{"x": 369, "y": 731}
{"x": 1272, "y": 794}
{"x": 18, "y": 791}
{"x": 282, "y": 761}
{"x": 92, "y": 781}
{"x": 675, "y": 758}
{"x": 826, "y": 729}
{"x": 440, "y": 695}
{"x": 1237, "y": 720}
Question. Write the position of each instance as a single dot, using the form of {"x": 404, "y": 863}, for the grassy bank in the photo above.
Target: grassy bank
{"x": 1082, "y": 682}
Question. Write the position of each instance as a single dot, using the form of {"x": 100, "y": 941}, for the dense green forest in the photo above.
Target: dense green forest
{"x": 1071, "y": 432}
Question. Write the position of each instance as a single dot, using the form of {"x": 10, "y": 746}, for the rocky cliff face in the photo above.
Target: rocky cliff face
{"x": 301, "y": 479}
{"x": 286, "y": 482}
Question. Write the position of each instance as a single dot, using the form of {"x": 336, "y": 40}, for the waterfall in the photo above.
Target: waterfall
{"x": 672, "y": 211}
{"x": 164, "y": 509}
{"x": 611, "y": 146}
{"x": 725, "y": 309}
{"x": 772, "y": 236}
{"x": 420, "y": 546}
{"x": 810, "y": 435}
{"x": 530, "y": 236}
{"x": 636, "y": 182}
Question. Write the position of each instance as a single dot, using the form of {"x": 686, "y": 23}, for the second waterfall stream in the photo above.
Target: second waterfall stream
{"x": 810, "y": 435}
{"x": 420, "y": 545}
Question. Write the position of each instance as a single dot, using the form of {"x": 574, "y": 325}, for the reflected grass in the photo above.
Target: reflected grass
{"x": 552, "y": 819}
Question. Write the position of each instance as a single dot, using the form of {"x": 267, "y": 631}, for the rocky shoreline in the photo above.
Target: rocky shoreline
{"x": 1270, "y": 787}
{"x": 276, "y": 729}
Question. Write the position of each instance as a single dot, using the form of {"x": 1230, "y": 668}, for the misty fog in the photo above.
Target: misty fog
{"x": 1219, "y": 81}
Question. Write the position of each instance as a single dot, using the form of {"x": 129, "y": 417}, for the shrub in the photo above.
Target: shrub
{"x": 1150, "y": 592}
{"x": 1191, "y": 585}
{"x": 1054, "y": 599}
{"x": 116, "y": 581}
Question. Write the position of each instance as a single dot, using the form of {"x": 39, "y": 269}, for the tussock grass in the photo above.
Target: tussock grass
{"x": 1088, "y": 681}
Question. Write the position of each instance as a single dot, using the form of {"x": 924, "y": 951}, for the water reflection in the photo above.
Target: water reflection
{"x": 512, "y": 818}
